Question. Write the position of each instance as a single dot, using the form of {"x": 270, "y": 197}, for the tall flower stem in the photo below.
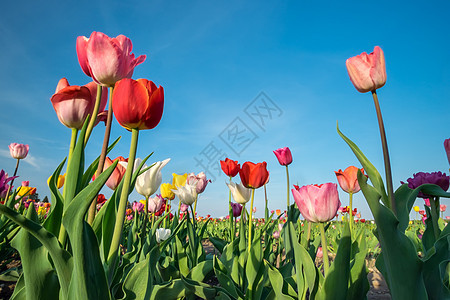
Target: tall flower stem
{"x": 387, "y": 162}
{"x": 326, "y": 263}
{"x": 120, "y": 218}
{"x": 62, "y": 231}
{"x": 101, "y": 161}
{"x": 195, "y": 206}
{"x": 266, "y": 209}
{"x": 350, "y": 213}
{"x": 93, "y": 119}
{"x": 434, "y": 204}
{"x": 146, "y": 208}
{"x": 287, "y": 177}
{"x": 12, "y": 181}
{"x": 165, "y": 213}
{"x": 250, "y": 221}
{"x": 230, "y": 213}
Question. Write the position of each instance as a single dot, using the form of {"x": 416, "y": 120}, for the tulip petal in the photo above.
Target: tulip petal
{"x": 82, "y": 42}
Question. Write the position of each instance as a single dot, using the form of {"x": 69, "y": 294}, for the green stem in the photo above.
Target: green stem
{"x": 250, "y": 222}
{"x": 118, "y": 227}
{"x": 287, "y": 176}
{"x": 146, "y": 208}
{"x": 12, "y": 181}
{"x": 387, "y": 162}
{"x": 62, "y": 231}
{"x": 434, "y": 216}
{"x": 326, "y": 263}
{"x": 308, "y": 235}
{"x": 153, "y": 220}
{"x": 266, "y": 209}
{"x": 93, "y": 119}
{"x": 230, "y": 213}
{"x": 195, "y": 206}
{"x": 165, "y": 213}
{"x": 101, "y": 161}
{"x": 350, "y": 219}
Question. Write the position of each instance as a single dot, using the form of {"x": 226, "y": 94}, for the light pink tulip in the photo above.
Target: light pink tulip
{"x": 18, "y": 151}
{"x": 155, "y": 203}
{"x": 443, "y": 207}
{"x": 317, "y": 203}
{"x": 105, "y": 59}
{"x": 74, "y": 103}
{"x": 138, "y": 206}
{"x": 26, "y": 183}
{"x": 199, "y": 180}
{"x": 184, "y": 207}
{"x": 284, "y": 156}
{"x": 367, "y": 71}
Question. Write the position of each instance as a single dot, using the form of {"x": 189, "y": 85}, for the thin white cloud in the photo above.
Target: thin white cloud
{"x": 29, "y": 159}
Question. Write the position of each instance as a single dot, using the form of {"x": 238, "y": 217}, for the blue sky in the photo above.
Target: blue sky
{"x": 214, "y": 59}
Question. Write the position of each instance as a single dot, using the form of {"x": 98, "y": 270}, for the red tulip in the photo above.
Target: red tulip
{"x": 254, "y": 175}
{"x": 74, "y": 103}
{"x": 317, "y": 203}
{"x": 367, "y": 71}
{"x": 138, "y": 104}
{"x": 117, "y": 174}
{"x": 348, "y": 179}
{"x": 230, "y": 167}
{"x": 284, "y": 156}
{"x": 105, "y": 59}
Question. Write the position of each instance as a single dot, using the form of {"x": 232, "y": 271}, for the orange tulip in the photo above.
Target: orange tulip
{"x": 117, "y": 174}
{"x": 348, "y": 179}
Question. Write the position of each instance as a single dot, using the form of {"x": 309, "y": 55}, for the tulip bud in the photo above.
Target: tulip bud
{"x": 284, "y": 156}
{"x": 18, "y": 151}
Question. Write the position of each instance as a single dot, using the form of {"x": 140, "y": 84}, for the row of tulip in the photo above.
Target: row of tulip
{"x": 89, "y": 248}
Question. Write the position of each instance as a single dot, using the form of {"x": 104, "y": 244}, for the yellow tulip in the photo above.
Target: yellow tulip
{"x": 179, "y": 180}
{"x": 61, "y": 180}
{"x": 166, "y": 191}
{"x": 142, "y": 201}
{"x": 416, "y": 208}
{"x": 26, "y": 190}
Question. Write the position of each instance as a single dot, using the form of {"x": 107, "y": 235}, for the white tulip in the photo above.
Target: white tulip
{"x": 187, "y": 193}
{"x": 162, "y": 234}
{"x": 240, "y": 193}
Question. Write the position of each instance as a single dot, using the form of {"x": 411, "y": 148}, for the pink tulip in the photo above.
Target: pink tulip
{"x": 367, "y": 71}
{"x": 427, "y": 202}
{"x": 74, "y": 103}
{"x": 317, "y": 203}
{"x": 198, "y": 180}
{"x": 105, "y": 59}
{"x": 138, "y": 206}
{"x": 118, "y": 173}
{"x": 18, "y": 151}
{"x": 276, "y": 235}
{"x": 443, "y": 207}
{"x": 26, "y": 183}
{"x": 319, "y": 253}
{"x": 184, "y": 207}
{"x": 284, "y": 156}
{"x": 155, "y": 203}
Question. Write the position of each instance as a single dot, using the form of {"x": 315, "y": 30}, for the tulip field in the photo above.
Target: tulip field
{"x": 83, "y": 245}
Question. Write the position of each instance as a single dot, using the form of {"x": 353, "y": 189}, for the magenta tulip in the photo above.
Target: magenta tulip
{"x": 367, "y": 71}
{"x": 447, "y": 149}
{"x": 18, "y": 151}
{"x": 284, "y": 156}
{"x": 317, "y": 203}
{"x": 237, "y": 209}
{"x": 105, "y": 59}
{"x": 74, "y": 103}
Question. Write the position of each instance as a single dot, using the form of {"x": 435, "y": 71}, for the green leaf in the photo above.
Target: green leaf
{"x": 218, "y": 243}
{"x": 200, "y": 289}
{"x": 201, "y": 271}
{"x": 40, "y": 277}
{"x": 53, "y": 221}
{"x": 434, "y": 269}
{"x": 358, "y": 283}
{"x": 278, "y": 285}
{"x": 61, "y": 258}
{"x": 89, "y": 279}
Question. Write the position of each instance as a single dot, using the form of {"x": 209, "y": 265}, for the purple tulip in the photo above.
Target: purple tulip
{"x": 447, "y": 149}
{"x": 438, "y": 178}
{"x": 4, "y": 179}
{"x": 237, "y": 209}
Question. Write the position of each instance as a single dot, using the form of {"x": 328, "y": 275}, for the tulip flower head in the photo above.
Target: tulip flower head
{"x": 148, "y": 182}
{"x": 438, "y": 178}
{"x": 162, "y": 234}
{"x": 284, "y": 156}
{"x": 166, "y": 191}
{"x": 276, "y": 235}
{"x": 317, "y": 203}
{"x": 230, "y": 167}
{"x": 367, "y": 71}
{"x": 18, "y": 151}
{"x": 186, "y": 193}
{"x": 155, "y": 203}
{"x": 117, "y": 174}
{"x": 74, "y": 103}
{"x": 447, "y": 149}
{"x": 240, "y": 193}
{"x": 237, "y": 209}
{"x": 179, "y": 180}
{"x": 4, "y": 179}
{"x": 60, "y": 182}
{"x": 254, "y": 175}
{"x": 138, "y": 104}
{"x": 199, "y": 180}
{"x": 443, "y": 207}
{"x": 348, "y": 179}
{"x": 427, "y": 202}
{"x": 184, "y": 207}
{"x": 105, "y": 59}
{"x": 138, "y": 206}
{"x": 26, "y": 183}
{"x": 416, "y": 208}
